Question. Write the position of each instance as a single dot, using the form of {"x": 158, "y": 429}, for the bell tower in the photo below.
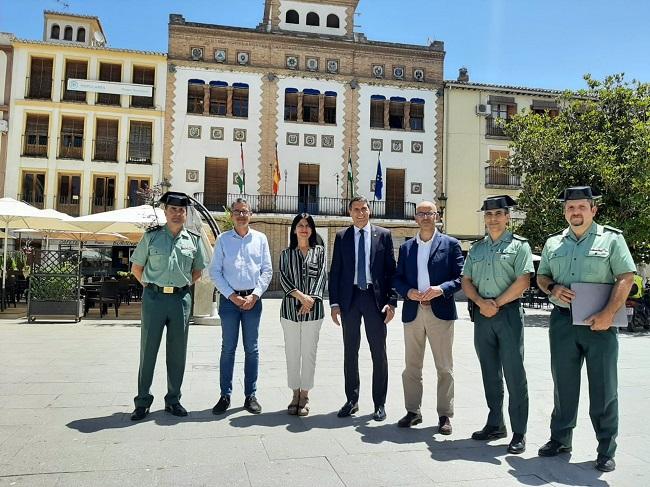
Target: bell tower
{"x": 325, "y": 17}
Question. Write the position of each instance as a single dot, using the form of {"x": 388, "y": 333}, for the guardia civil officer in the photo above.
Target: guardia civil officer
{"x": 496, "y": 273}
{"x": 167, "y": 261}
{"x": 584, "y": 252}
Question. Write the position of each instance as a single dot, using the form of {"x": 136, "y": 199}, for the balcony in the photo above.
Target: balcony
{"x": 292, "y": 205}
{"x": 494, "y": 127}
{"x": 35, "y": 145}
{"x": 502, "y": 176}
{"x": 35, "y": 199}
{"x": 38, "y": 88}
{"x": 72, "y": 95}
{"x": 68, "y": 204}
{"x": 71, "y": 147}
{"x": 105, "y": 149}
{"x": 144, "y": 101}
{"x": 138, "y": 153}
{"x": 108, "y": 99}
{"x": 100, "y": 204}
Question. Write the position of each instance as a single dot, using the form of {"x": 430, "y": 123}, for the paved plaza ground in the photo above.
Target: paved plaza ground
{"x": 66, "y": 392}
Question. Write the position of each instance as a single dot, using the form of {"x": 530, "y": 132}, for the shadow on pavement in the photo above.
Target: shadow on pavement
{"x": 556, "y": 470}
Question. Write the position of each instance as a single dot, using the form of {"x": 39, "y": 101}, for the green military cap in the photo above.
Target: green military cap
{"x": 579, "y": 193}
{"x": 498, "y": 202}
{"x": 175, "y": 198}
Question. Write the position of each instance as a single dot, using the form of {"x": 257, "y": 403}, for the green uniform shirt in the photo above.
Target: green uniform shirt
{"x": 168, "y": 260}
{"x": 599, "y": 256}
{"x": 494, "y": 266}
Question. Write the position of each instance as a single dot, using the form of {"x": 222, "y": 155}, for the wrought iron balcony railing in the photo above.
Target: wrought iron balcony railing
{"x": 501, "y": 176}
{"x": 292, "y": 205}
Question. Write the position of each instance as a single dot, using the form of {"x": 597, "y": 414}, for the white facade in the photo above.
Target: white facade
{"x": 190, "y": 153}
{"x": 329, "y": 159}
{"x": 322, "y": 10}
{"x": 420, "y": 167}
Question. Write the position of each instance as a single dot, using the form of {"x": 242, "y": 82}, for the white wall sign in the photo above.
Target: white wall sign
{"x": 109, "y": 87}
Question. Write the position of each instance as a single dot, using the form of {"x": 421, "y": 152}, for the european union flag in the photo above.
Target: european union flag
{"x": 379, "y": 182}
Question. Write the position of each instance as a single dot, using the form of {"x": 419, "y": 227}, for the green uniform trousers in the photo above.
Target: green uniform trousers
{"x": 570, "y": 346}
{"x": 499, "y": 344}
{"x": 158, "y": 310}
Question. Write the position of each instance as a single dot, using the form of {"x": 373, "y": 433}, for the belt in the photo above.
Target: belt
{"x": 244, "y": 293}
{"x": 516, "y": 302}
{"x": 167, "y": 289}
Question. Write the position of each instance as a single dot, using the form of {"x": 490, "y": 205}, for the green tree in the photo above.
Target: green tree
{"x": 601, "y": 138}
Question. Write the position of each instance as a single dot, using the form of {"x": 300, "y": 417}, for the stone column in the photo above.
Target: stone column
{"x": 229, "y": 90}
{"x": 386, "y": 114}
{"x": 300, "y": 96}
{"x": 407, "y": 115}
{"x": 321, "y": 108}
{"x": 206, "y": 99}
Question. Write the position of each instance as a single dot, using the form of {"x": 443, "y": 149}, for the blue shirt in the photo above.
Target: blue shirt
{"x": 241, "y": 263}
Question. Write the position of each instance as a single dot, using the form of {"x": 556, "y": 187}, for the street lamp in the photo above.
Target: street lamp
{"x": 442, "y": 204}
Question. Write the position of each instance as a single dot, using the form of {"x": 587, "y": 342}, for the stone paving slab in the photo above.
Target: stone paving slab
{"x": 66, "y": 392}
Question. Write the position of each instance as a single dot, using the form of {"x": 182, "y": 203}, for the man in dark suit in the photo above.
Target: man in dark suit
{"x": 360, "y": 286}
{"x": 428, "y": 274}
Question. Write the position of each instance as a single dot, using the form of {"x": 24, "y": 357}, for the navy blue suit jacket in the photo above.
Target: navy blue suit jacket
{"x": 382, "y": 268}
{"x": 445, "y": 267}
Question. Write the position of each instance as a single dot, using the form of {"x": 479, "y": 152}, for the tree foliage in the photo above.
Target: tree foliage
{"x": 600, "y": 138}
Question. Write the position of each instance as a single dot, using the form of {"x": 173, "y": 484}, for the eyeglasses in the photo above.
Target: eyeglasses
{"x": 241, "y": 212}
{"x": 426, "y": 214}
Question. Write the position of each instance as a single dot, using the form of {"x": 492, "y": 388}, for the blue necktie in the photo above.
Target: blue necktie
{"x": 362, "y": 282}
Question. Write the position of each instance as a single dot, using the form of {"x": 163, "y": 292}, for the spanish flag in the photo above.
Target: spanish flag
{"x": 276, "y": 173}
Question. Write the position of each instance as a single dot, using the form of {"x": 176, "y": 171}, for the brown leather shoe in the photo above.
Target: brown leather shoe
{"x": 444, "y": 425}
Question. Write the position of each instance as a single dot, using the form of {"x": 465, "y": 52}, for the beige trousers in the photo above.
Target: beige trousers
{"x": 300, "y": 345}
{"x": 440, "y": 334}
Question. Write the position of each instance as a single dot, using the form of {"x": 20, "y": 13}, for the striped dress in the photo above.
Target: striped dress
{"x": 306, "y": 274}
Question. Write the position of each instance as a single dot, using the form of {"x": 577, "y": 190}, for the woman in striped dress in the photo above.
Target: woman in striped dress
{"x": 302, "y": 274}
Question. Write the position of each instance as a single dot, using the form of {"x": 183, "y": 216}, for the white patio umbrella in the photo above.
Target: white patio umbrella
{"x": 128, "y": 220}
{"x": 16, "y": 214}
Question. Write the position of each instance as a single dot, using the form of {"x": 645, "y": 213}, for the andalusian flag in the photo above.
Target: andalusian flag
{"x": 350, "y": 177}
{"x": 276, "y": 173}
{"x": 241, "y": 176}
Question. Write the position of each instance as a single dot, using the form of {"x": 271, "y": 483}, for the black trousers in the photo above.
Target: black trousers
{"x": 364, "y": 306}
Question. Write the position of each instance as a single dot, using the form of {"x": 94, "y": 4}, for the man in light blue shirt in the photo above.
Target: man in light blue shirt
{"x": 241, "y": 270}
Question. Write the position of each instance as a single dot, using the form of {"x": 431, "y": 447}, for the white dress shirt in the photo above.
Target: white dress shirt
{"x": 424, "y": 252}
{"x": 367, "y": 236}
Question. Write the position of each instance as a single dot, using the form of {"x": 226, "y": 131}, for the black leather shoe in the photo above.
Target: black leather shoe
{"x": 379, "y": 414}
{"x": 517, "y": 444}
{"x": 348, "y": 409}
{"x": 490, "y": 433}
{"x": 605, "y": 464}
{"x": 251, "y": 405}
{"x": 176, "y": 409}
{"x": 222, "y": 405}
{"x": 444, "y": 425}
{"x": 553, "y": 448}
{"x": 411, "y": 419}
{"x": 139, "y": 413}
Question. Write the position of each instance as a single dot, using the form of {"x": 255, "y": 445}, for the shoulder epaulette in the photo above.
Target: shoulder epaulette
{"x": 154, "y": 228}
{"x": 477, "y": 241}
{"x": 612, "y": 229}
{"x": 519, "y": 237}
{"x": 192, "y": 232}
{"x": 555, "y": 234}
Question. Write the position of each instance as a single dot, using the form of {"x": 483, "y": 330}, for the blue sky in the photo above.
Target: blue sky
{"x": 534, "y": 43}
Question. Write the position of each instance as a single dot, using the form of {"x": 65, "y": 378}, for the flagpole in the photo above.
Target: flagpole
{"x": 241, "y": 149}
{"x": 374, "y": 197}
{"x": 347, "y": 179}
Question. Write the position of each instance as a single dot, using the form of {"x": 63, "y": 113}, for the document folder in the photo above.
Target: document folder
{"x": 592, "y": 298}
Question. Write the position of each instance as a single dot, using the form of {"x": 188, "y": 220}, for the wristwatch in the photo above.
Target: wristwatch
{"x": 549, "y": 288}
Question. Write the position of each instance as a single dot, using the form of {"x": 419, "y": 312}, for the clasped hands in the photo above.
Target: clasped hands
{"x": 307, "y": 303}
{"x": 431, "y": 292}
{"x": 243, "y": 303}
